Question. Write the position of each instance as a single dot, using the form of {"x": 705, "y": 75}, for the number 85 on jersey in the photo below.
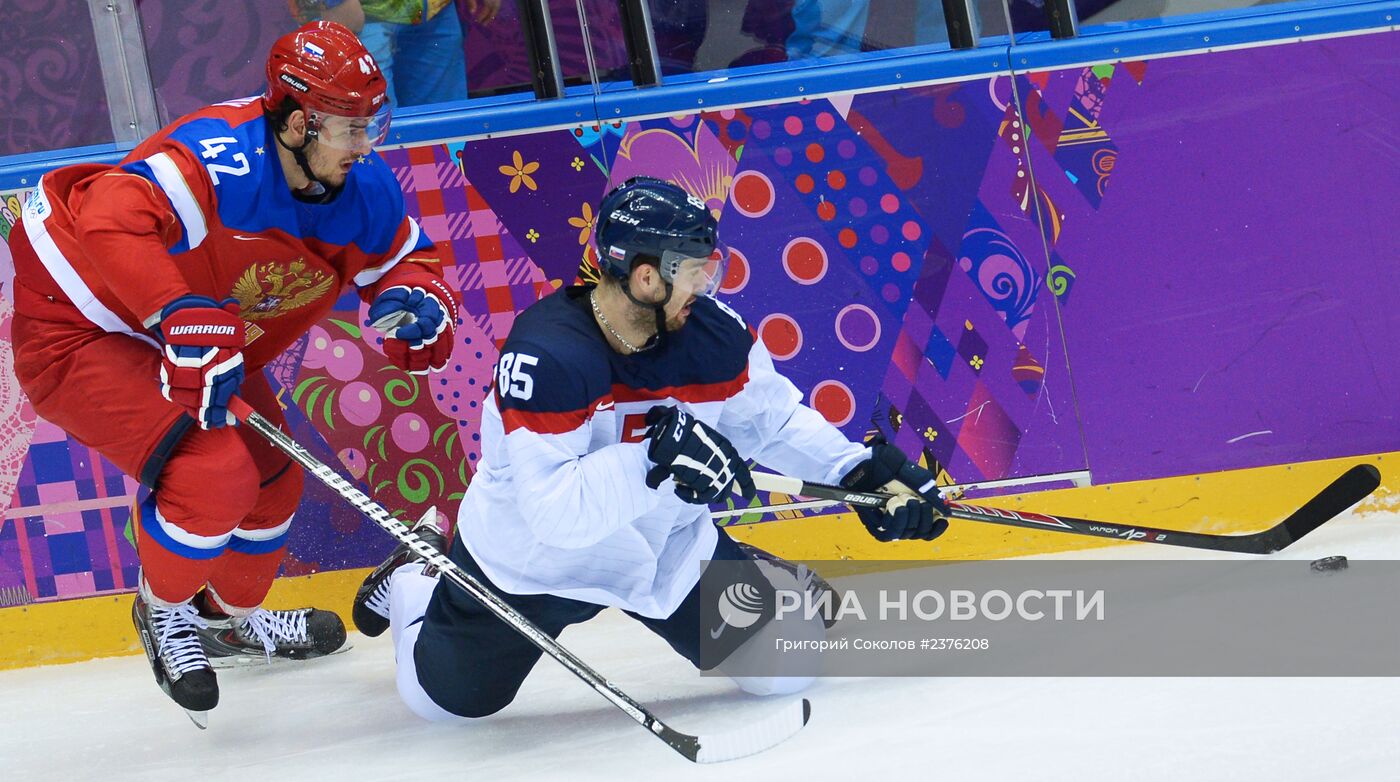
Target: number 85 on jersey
{"x": 513, "y": 376}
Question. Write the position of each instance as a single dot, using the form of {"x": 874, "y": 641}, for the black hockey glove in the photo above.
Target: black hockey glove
{"x": 703, "y": 463}
{"x": 919, "y": 513}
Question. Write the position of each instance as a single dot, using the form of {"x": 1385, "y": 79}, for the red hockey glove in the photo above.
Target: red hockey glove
{"x": 418, "y": 316}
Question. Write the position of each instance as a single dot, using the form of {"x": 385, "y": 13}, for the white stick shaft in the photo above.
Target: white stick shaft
{"x": 779, "y": 508}
{"x": 744, "y": 740}
{"x": 451, "y": 571}
{"x": 767, "y": 481}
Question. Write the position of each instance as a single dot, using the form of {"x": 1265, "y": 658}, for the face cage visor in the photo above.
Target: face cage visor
{"x": 351, "y": 134}
{"x": 689, "y": 275}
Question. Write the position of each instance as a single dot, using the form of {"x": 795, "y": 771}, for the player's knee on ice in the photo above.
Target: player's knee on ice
{"x": 408, "y": 600}
{"x": 476, "y": 682}
{"x": 759, "y": 666}
{"x": 410, "y": 690}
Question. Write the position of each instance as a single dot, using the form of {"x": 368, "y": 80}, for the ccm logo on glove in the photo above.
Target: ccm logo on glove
{"x": 702, "y": 462}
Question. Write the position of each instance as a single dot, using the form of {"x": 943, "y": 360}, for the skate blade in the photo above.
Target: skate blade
{"x": 263, "y": 661}
{"x": 199, "y": 718}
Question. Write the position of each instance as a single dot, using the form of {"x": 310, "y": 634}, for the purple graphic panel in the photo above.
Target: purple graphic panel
{"x": 1232, "y": 251}
{"x": 1221, "y": 254}
{"x": 906, "y": 288}
{"x": 977, "y": 381}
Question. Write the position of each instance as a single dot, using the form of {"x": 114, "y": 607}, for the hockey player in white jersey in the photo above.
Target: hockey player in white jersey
{"x": 617, "y": 414}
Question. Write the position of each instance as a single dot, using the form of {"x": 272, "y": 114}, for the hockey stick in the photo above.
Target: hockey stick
{"x": 752, "y": 738}
{"x": 1077, "y": 477}
{"x": 1347, "y": 490}
{"x": 764, "y": 510}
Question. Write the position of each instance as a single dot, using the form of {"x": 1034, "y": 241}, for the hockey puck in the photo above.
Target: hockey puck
{"x": 1329, "y": 564}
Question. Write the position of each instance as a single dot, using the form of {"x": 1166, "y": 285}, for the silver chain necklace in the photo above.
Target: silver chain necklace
{"x": 603, "y": 319}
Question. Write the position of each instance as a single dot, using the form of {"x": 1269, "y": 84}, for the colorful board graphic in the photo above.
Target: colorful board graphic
{"x": 917, "y": 260}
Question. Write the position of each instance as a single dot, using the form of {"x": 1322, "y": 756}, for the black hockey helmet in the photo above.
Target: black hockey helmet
{"x": 652, "y": 217}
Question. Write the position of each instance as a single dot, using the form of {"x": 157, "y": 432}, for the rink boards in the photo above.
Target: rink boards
{"x": 1153, "y": 253}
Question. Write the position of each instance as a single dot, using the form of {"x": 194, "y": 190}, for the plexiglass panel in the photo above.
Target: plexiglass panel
{"x": 497, "y": 60}
{"x": 1029, "y": 15}
{"x": 1093, "y": 12}
{"x": 51, "y": 93}
{"x": 204, "y": 51}
{"x": 711, "y": 35}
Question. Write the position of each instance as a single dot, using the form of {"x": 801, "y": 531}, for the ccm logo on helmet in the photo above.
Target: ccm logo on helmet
{"x": 179, "y": 331}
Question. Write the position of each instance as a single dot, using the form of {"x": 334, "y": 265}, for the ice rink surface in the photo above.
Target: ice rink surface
{"x": 339, "y": 718}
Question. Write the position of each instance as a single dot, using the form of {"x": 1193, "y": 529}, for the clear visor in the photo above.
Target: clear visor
{"x": 694, "y": 276}
{"x": 352, "y": 134}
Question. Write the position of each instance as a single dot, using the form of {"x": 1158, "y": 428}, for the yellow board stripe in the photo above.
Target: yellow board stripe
{"x": 1224, "y": 502}
{"x": 1235, "y": 501}
{"x": 68, "y": 631}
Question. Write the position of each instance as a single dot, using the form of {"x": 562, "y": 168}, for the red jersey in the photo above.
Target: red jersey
{"x": 203, "y": 207}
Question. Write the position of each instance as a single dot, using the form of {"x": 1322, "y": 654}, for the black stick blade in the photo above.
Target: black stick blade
{"x": 1351, "y": 487}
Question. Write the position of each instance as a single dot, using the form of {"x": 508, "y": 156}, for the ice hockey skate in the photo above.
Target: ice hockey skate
{"x": 267, "y": 636}
{"x": 170, "y": 636}
{"x": 371, "y": 610}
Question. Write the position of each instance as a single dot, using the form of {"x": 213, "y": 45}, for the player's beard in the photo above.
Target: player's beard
{"x": 643, "y": 319}
{"x": 327, "y": 164}
{"x": 675, "y": 320}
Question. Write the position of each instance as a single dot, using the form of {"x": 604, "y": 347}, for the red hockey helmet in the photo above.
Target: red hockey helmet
{"x": 329, "y": 73}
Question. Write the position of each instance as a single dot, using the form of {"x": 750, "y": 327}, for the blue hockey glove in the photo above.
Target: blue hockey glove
{"x": 917, "y": 513}
{"x": 201, "y": 364}
{"x": 703, "y": 463}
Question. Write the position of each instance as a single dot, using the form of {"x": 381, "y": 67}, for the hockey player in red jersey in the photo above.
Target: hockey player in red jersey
{"x": 150, "y": 292}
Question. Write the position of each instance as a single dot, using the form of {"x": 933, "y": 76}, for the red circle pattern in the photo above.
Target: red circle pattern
{"x": 736, "y": 274}
{"x": 752, "y": 194}
{"x": 804, "y": 260}
{"x": 834, "y": 401}
{"x": 781, "y": 335}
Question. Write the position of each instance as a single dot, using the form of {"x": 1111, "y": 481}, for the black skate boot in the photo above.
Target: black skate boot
{"x": 269, "y": 636}
{"x": 815, "y": 585}
{"x": 371, "y": 610}
{"x": 170, "y": 637}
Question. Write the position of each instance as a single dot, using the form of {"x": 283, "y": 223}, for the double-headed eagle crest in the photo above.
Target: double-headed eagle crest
{"x": 267, "y": 290}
